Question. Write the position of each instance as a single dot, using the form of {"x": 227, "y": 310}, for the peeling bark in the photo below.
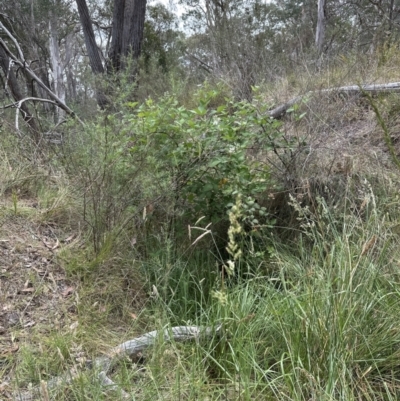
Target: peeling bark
{"x": 321, "y": 23}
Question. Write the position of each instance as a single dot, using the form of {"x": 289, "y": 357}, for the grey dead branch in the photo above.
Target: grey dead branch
{"x": 21, "y": 62}
{"x": 102, "y": 365}
{"x": 374, "y": 89}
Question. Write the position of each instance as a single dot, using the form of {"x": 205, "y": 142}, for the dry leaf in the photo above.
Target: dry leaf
{"x": 368, "y": 245}
{"x": 70, "y": 238}
{"x": 73, "y": 326}
{"x": 155, "y": 293}
{"x": 4, "y": 386}
{"x": 44, "y": 392}
{"x": 39, "y": 271}
{"x": 81, "y": 360}
{"x": 27, "y": 290}
{"x": 68, "y": 291}
{"x": 9, "y": 351}
{"x": 49, "y": 244}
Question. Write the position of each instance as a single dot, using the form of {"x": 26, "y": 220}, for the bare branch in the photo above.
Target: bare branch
{"x": 21, "y": 55}
{"x": 18, "y": 105}
{"x": 32, "y": 75}
{"x": 203, "y": 65}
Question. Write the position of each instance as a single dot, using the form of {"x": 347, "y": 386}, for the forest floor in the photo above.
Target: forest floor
{"x": 54, "y": 315}
{"x": 35, "y": 295}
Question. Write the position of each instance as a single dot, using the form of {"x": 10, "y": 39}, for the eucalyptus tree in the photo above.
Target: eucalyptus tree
{"x": 164, "y": 44}
{"x": 126, "y": 40}
{"x": 229, "y": 39}
{"x": 33, "y": 58}
{"x": 127, "y": 33}
{"x": 377, "y": 21}
{"x": 321, "y": 21}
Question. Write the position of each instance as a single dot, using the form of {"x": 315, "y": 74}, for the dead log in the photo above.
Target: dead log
{"x": 374, "y": 89}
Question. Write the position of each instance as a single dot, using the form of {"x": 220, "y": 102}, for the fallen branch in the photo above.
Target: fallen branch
{"x": 130, "y": 348}
{"x": 279, "y": 111}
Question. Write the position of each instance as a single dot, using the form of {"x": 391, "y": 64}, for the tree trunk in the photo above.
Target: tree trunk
{"x": 57, "y": 67}
{"x": 127, "y": 31}
{"x": 91, "y": 46}
{"x": 127, "y": 34}
{"x": 90, "y": 41}
{"x": 114, "y": 53}
{"x": 70, "y": 78}
{"x": 321, "y": 22}
{"x": 137, "y": 28}
{"x": 12, "y": 83}
{"x": 127, "y": 38}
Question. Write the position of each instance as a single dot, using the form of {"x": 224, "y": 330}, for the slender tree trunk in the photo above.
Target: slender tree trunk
{"x": 57, "y": 67}
{"x": 90, "y": 41}
{"x": 127, "y": 30}
{"x": 91, "y": 46}
{"x": 392, "y": 17}
{"x": 70, "y": 78}
{"x": 321, "y": 22}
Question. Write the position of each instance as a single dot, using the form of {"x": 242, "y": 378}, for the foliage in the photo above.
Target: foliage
{"x": 203, "y": 152}
{"x": 162, "y": 42}
{"x": 306, "y": 309}
{"x": 316, "y": 318}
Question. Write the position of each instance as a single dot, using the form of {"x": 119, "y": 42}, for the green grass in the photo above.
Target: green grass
{"x": 323, "y": 325}
{"x": 311, "y": 311}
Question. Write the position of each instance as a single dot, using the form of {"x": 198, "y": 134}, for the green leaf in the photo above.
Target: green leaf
{"x": 215, "y": 162}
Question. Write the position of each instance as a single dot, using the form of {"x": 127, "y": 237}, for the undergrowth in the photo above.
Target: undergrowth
{"x": 207, "y": 213}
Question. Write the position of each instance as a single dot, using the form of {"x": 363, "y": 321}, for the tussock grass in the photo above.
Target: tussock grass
{"x": 341, "y": 302}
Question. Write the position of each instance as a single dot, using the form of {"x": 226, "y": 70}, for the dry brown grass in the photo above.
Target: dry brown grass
{"x": 338, "y": 139}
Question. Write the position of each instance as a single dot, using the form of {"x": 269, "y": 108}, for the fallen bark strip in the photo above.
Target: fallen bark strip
{"x": 129, "y": 348}
{"x": 280, "y": 110}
